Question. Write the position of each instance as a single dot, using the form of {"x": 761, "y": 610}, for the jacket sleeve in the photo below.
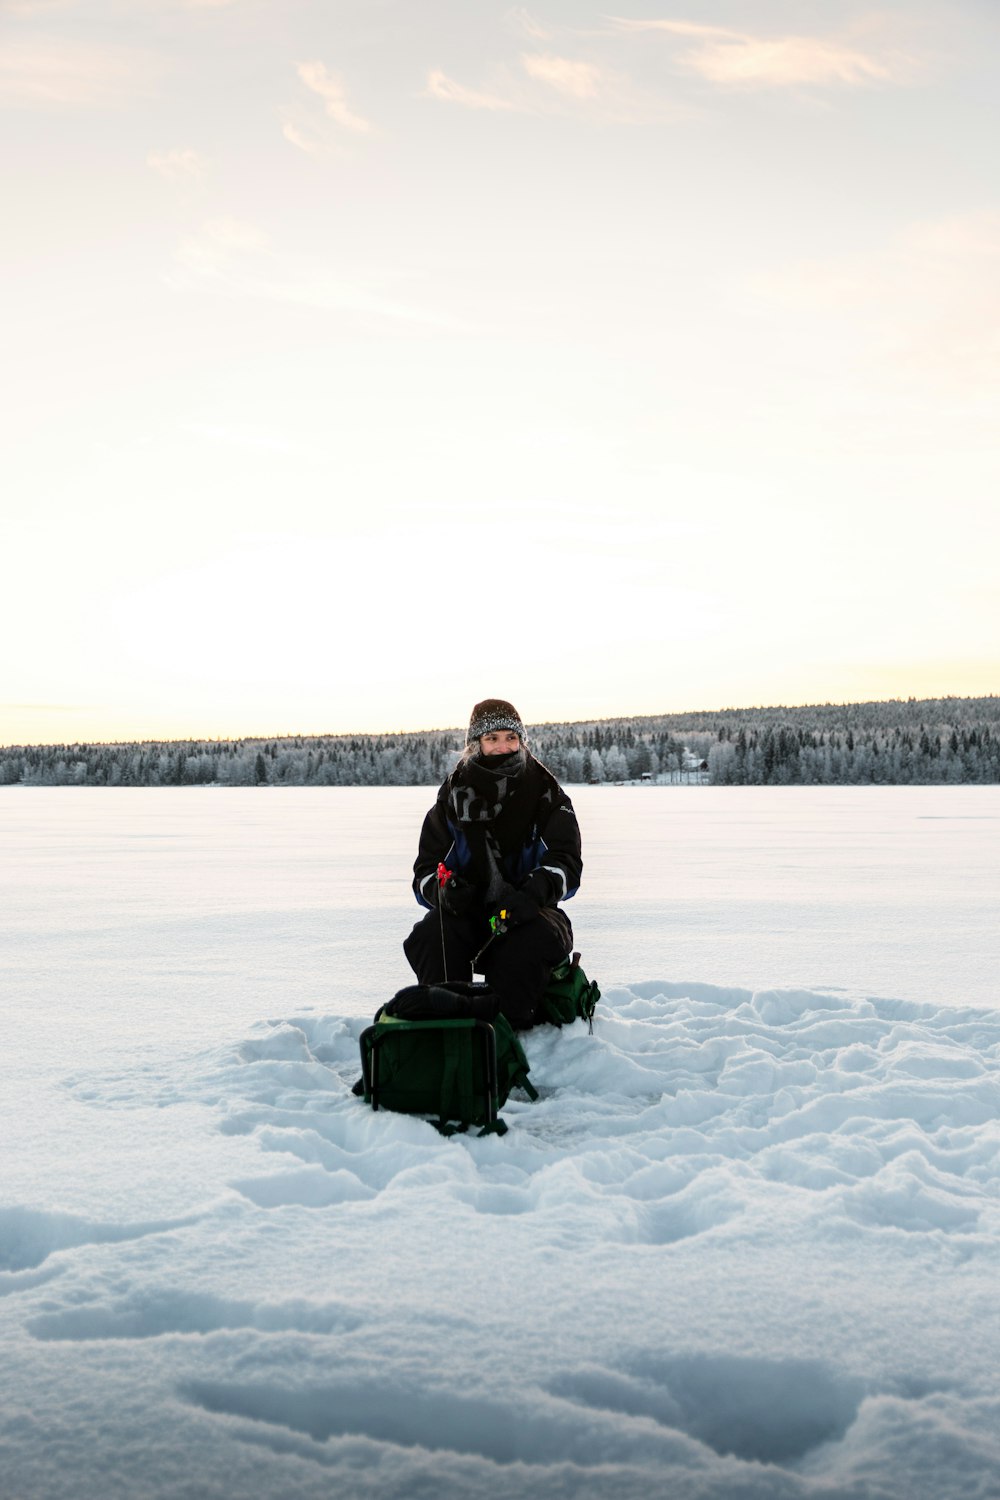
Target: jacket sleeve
{"x": 556, "y": 876}
{"x": 435, "y": 846}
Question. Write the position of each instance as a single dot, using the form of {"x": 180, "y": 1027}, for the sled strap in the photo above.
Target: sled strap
{"x": 524, "y": 1082}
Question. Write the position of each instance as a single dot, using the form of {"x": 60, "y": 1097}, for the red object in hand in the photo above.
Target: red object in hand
{"x": 444, "y": 874}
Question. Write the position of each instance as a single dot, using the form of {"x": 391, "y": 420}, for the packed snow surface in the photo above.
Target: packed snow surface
{"x": 745, "y": 1244}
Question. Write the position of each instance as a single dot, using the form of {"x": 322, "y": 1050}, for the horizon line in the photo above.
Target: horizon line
{"x": 535, "y": 725}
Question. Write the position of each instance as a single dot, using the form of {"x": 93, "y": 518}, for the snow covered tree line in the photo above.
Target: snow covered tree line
{"x": 917, "y": 741}
{"x": 786, "y": 757}
{"x": 300, "y": 760}
{"x": 596, "y": 754}
{"x": 920, "y": 741}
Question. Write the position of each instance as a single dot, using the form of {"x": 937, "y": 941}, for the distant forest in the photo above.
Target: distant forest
{"x": 919, "y": 741}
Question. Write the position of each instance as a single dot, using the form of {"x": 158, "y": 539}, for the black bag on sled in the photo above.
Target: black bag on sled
{"x": 443, "y": 1050}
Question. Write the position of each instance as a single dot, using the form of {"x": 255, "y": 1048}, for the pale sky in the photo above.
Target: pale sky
{"x": 364, "y": 358}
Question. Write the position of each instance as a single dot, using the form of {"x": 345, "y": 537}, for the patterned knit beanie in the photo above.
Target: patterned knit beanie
{"x": 493, "y": 714}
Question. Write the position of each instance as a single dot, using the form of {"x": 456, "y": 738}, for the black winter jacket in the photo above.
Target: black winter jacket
{"x": 540, "y": 838}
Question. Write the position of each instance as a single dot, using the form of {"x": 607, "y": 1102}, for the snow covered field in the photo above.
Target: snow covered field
{"x": 746, "y": 1244}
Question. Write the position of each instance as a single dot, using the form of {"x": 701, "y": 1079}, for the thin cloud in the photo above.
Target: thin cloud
{"x": 317, "y": 77}
{"x": 440, "y": 86}
{"x": 45, "y": 708}
{"x": 549, "y": 84}
{"x": 578, "y": 80}
{"x": 974, "y": 235}
{"x": 298, "y": 138}
{"x": 39, "y": 73}
{"x": 927, "y": 301}
{"x": 32, "y": 7}
{"x": 236, "y": 259}
{"x": 218, "y": 247}
{"x": 724, "y": 56}
{"x": 180, "y": 166}
{"x": 524, "y": 23}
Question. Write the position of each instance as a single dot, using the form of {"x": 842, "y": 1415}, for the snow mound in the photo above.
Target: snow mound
{"x": 744, "y": 1244}
{"x": 688, "y": 1108}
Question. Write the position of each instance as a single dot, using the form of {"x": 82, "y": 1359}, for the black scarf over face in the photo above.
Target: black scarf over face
{"x": 490, "y": 799}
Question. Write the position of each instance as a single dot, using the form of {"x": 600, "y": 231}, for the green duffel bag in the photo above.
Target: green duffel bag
{"x": 570, "y": 996}
{"x": 444, "y": 1051}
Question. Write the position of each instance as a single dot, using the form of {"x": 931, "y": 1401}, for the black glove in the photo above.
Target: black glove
{"x": 543, "y": 886}
{"x": 514, "y": 908}
{"x": 455, "y": 896}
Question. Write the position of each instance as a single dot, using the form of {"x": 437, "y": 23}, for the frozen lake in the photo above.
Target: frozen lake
{"x": 745, "y": 1245}
{"x": 205, "y": 908}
